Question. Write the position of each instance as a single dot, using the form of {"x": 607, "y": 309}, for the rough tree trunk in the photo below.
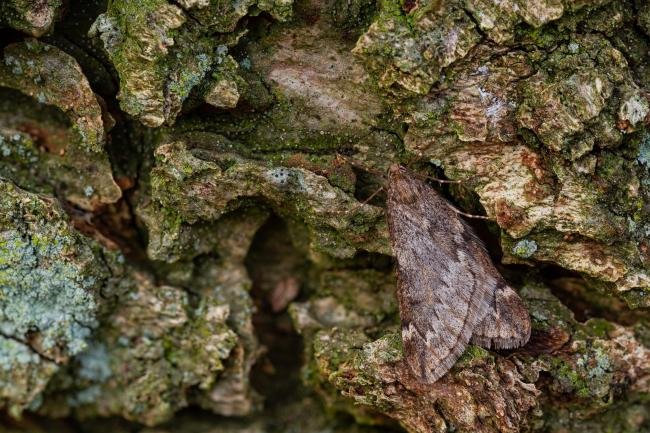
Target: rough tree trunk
{"x": 188, "y": 217}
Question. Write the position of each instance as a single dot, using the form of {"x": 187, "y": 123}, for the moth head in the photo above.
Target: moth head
{"x": 401, "y": 186}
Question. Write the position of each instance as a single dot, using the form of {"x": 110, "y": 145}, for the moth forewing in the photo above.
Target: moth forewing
{"x": 507, "y": 324}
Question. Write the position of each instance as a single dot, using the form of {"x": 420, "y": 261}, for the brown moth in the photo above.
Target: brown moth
{"x": 449, "y": 291}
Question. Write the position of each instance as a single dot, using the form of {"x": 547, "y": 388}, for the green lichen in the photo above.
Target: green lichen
{"x": 150, "y": 352}
{"x": 589, "y": 73}
{"x": 407, "y": 52}
{"x": 41, "y": 292}
{"x": 137, "y": 38}
{"x": 503, "y": 102}
{"x": 162, "y": 52}
{"x": 588, "y": 374}
{"x": 599, "y": 327}
{"x": 357, "y": 371}
{"x": 644, "y": 151}
{"x": 50, "y": 277}
{"x": 524, "y": 248}
{"x": 23, "y": 375}
{"x": 17, "y": 149}
{"x": 499, "y": 20}
{"x": 225, "y": 86}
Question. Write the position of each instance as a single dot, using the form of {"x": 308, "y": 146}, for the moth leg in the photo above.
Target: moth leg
{"x": 507, "y": 324}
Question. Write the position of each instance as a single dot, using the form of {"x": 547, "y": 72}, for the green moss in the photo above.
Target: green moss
{"x": 162, "y": 54}
{"x": 598, "y": 327}
{"x": 368, "y": 292}
{"x": 543, "y": 37}
{"x": 473, "y": 354}
{"x": 293, "y": 193}
{"x": 137, "y": 38}
{"x": 568, "y": 379}
{"x": 637, "y": 297}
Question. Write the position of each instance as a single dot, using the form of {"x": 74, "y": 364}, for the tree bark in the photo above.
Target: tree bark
{"x": 193, "y": 229}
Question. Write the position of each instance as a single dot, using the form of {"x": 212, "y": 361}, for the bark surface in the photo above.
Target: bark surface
{"x": 193, "y": 237}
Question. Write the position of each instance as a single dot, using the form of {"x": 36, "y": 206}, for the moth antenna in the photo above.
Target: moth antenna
{"x": 468, "y": 215}
{"x": 382, "y": 174}
{"x": 435, "y": 179}
{"x": 364, "y": 202}
{"x": 371, "y": 196}
{"x": 361, "y": 166}
{"x": 447, "y": 181}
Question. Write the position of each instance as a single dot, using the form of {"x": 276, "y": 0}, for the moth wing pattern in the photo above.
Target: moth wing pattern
{"x": 507, "y": 324}
{"x": 446, "y": 281}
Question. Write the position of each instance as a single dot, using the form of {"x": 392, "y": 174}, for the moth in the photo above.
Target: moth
{"x": 449, "y": 292}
